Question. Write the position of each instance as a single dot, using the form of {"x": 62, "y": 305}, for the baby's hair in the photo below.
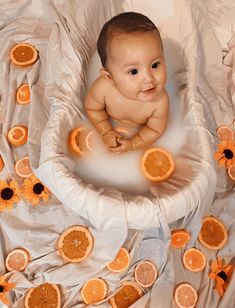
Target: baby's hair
{"x": 128, "y": 22}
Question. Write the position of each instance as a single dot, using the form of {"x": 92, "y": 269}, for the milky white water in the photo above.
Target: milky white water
{"x": 122, "y": 171}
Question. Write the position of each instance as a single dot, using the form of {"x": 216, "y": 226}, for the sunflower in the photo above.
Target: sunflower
{"x": 4, "y": 288}
{"x": 226, "y": 153}
{"x": 221, "y": 273}
{"x": 9, "y": 194}
{"x": 33, "y": 190}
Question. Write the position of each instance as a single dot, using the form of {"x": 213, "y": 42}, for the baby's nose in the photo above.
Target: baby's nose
{"x": 148, "y": 77}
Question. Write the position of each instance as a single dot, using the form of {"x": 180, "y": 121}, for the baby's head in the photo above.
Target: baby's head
{"x": 131, "y": 53}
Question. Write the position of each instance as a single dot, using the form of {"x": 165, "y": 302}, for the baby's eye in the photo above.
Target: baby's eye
{"x": 134, "y": 71}
{"x": 156, "y": 64}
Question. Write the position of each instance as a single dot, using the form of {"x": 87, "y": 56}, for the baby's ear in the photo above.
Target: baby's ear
{"x": 105, "y": 73}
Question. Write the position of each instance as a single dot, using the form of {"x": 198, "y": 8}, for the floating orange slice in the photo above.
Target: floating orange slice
{"x": 23, "y": 54}
{"x": 121, "y": 261}
{"x": 17, "y": 260}
{"x": 194, "y": 260}
{"x": 23, "y": 94}
{"x": 1, "y": 163}
{"x": 157, "y": 164}
{"x": 213, "y": 234}
{"x": 45, "y": 295}
{"x": 80, "y": 140}
{"x": 185, "y": 295}
{"x": 18, "y": 135}
{"x": 179, "y": 238}
{"x": 231, "y": 172}
{"x": 129, "y": 293}
{"x": 75, "y": 244}
{"x": 22, "y": 167}
{"x": 94, "y": 290}
{"x": 225, "y": 133}
{"x": 145, "y": 274}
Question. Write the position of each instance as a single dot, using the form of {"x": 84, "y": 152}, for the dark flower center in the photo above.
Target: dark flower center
{"x": 38, "y": 188}
{"x": 228, "y": 154}
{"x": 222, "y": 275}
{"x": 1, "y": 289}
{"x": 7, "y": 193}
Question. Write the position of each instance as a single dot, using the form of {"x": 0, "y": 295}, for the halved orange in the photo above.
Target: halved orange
{"x": 194, "y": 260}
{"x": 157, "y": 164}
{"x": 17, "y": 260}
{"x": 185, "y": 295}
{"x": 80, "y": 140}
{"x": 94, "y": 290}
{"x": 225, "y": 133}
{"x": 75, "y": 244}
{"x": 23, "y": 54}
{"x": 121, "y": 261}
{"x": 129, "y": 293}
{"x": 1, "y": 163}
{"x": 213, "y": 233}
{"x": 231, "y": 172}
{"x": 18, "y": 135}
{"x": 145, "y": 274}
{"x": 23, "y": 94}
{"x": 22, "y": 167}
{"x": 179, "y": 238}
{"x": 45, "y": 295}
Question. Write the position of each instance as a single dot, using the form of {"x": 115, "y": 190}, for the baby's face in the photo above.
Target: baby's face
{"x": 137, "y": 67}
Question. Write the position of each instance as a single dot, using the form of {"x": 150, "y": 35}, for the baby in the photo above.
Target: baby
{"x": 131, "y": 85}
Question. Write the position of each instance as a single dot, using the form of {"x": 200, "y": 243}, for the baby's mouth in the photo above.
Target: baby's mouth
{"x": 148, "y": 91}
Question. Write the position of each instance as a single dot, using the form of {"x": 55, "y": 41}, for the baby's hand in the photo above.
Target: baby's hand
{"x": 110, "y": 139}
{"x": 124, "y": 146}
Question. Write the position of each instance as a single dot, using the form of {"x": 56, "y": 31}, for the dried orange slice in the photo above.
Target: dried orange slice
{"x": 194, "y": 260}
{"x": 185, "y": 295}
{"x": 23, "y": 54}
{"x": 129, "y": 293}
{"x": 213, "y": 234}
{"x": 94, "y": 290}
{"x": 231, "y": 172}
{"x": 121, "y": 261}
{"x": 145, "y": 274}
{"x": 45, "y": 295}
{"x": 18, "y": 135}
{"x": 1, "y": 163}
{"x": 17, "y": 260}
{"x": 225, "y": 133}
{"x": 23, "y": 94}
{"x": 80, "y": 140}
{"x": 157, "y": 164}
{"x": 22, "y": 167}
{"x": 179, "y": 238}
{"x": 75, "y": 244}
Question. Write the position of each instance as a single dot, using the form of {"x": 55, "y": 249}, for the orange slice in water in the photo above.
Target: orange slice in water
{"x": 121, "y": 261}
{"x": 22, "y": 167}
{"x": 45, "y": 295}
{"x": 185, "y": 295}
{"x": 225, "y": 133}
{"x": 129, "y": 293}
{"x": 23, "y": 94}
{"x": 81, "y": 140}
{"x": 213, "y": 234}
{"x": 18, "y": 135}
{"x": 179, "y": 238}
{"x": 231, "y": 172}
{"x": 75, "y": 244}
{"x": 17, "y": 260}
{"x": 145, "y": 274}
{"x": 1, "y": 163}
{"x": 23, "y": 54}
{"x": 194, "y": 260}
{"x": 94, "y": 290}
{"x": 157, "y": 164}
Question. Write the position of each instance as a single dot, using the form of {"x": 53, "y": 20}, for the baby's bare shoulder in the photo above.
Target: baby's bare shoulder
{"x": 98, "y": 87}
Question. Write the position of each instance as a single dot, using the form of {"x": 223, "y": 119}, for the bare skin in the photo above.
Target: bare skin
{"x": 130, "y": 89}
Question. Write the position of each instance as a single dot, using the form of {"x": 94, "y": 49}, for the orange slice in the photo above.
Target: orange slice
{"x": 18, "y": 135}
{"x": 185, "y": 295}
{"x": 75, "y": 244}
{"x": 179, "y": 238}
{"x": 121, "y": 261}
{"x": 194, "y": 260}
{"x": 231, "y": 172}
{"x": 22, "y": 167}
{"x": 80, "y": 140}
{"x": 157, "y": 164}
{"x": 213, "y": 234}
{"x": 129, "y": 293}
{"x": 45, "y": 295}
{"x": 17, "y": 260}
{"x": 23, "y": 54}
{"x": 94, "y": 290}
{"x": 225, "y": 133}
{"x": 145, "y": 274}
{"x": 23, "y": 94}
{"x": 1, "y": 163}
